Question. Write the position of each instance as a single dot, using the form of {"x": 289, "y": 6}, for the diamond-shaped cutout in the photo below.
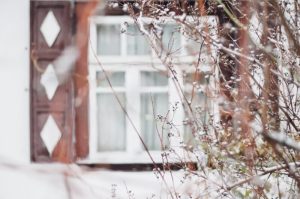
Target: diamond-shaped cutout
{"x": 49, "y": 81}
{"x": 50, "y": 28}
{"x": 50, "y": 134}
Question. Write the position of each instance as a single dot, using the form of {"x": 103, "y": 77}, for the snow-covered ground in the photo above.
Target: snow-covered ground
{"x": 48, "y": 181}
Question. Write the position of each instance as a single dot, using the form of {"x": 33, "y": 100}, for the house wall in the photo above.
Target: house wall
{"x": 14, "y": 80}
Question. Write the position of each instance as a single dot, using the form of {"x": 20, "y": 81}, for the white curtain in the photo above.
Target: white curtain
{"x": 136, "y": 42}
{"x": 149, "y": 78}
{"x": 152, "y": 105}
{"x": 108, "y": 42}
{"x": 153, "y": 130}
{"x": 117, "y": 79}
{"x": 111, "y": 122}
{"x": 171, "y": 38}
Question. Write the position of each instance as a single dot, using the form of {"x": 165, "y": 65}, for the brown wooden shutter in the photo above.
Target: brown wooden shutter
{"x": 52, "y": 118}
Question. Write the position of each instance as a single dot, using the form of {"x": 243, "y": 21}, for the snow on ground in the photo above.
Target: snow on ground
{"x": 48, "y": 181}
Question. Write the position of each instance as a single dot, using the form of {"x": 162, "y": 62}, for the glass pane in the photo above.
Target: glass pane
{"x": 109, "y": 42}
{"x": 171, "y": 38}
{"x": 116, "y": 79}
{"x": 194, "y": 86}
{"x": 136, "y": 42}
{"x": 154, "y": 129}
{"x": 111, "y": 123}
{"x": 188, "y": 138}
{"x": 200, "y": 105}
{"x": 154, "y": 79}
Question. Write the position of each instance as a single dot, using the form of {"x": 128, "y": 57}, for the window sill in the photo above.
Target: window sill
{"x": 138, "y": 158}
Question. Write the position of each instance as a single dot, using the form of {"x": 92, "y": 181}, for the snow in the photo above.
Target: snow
{"x": 47, "y": 181}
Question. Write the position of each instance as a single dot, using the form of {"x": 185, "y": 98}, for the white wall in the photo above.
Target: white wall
{"x": 14, "y": 80}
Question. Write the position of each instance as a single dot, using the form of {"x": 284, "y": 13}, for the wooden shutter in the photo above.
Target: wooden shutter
{"x": 52, "y": 117}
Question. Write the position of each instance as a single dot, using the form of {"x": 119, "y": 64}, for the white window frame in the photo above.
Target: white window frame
{"x": 182, "y": 57}
{"x": 135, "y": 152}
{"x": 132, "y": 66}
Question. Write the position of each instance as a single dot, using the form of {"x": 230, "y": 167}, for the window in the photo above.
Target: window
{"x": 143, "y": 93}
{"x": 115, "y": 36}
{"x": 135, "y": 88}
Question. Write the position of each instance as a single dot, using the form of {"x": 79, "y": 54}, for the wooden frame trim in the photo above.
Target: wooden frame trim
{"x": 82, "y": 12}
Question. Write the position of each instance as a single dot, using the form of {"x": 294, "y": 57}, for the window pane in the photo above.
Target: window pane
{"x": 171, "y": 38}
{"x": 136, "y": 42}
{"x": 194, "y": 86}
{"x": 188, "y": 137}
{"x": 111, "y": 123}
{"x": 154, "y": 79}
{"x": 108, "y": 42}
{"x": 154, "y": 130}
{"x": 116, "y": 79}
{"x": 200, "y": 105}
